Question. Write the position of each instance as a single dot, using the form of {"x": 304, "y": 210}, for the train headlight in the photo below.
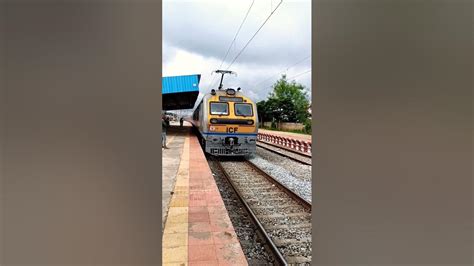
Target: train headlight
{"x": 213, "y": 121}
{"x": 230, "y": 91}
{"x": 249, "y": 122}
{"x": 211, "y": 128}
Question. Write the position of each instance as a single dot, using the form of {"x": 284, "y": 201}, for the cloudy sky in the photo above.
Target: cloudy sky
{"x": 198, "y": 33}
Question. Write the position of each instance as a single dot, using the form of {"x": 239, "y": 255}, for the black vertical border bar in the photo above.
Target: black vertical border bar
{"x": 160, "y": 107}
{"x": 392, "y": 132}
{"x": 80, "y": 155}
{"x": 3, "y": 90}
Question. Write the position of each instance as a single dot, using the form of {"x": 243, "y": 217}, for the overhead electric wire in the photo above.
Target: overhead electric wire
{"x": 297, "y": 75}
{"x": 248, "y": 42}
{"x": 237, "y": 33}
{"x": 235, "y": 37}
{"x": 286, "y": 69}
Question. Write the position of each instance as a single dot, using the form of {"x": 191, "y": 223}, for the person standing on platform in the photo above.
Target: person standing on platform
{"x": 181, "y": 122}
{"x": 164, "y": 126}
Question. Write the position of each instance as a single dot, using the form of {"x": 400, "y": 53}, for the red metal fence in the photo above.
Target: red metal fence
{"x": 289, "y": 143}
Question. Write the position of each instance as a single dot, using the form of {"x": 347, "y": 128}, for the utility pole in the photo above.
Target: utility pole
{"x": 223, "y": 72}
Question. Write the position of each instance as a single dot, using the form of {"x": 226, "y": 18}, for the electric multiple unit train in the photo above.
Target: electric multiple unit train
{"x": 227, "y": 123}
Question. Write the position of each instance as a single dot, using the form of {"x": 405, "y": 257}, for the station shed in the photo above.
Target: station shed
{"x": 180, "y": 92}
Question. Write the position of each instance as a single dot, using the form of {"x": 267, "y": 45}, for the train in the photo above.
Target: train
{"x": 227, "y": 123}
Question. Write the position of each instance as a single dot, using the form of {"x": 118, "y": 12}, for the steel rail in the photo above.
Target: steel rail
{"x": 272, "y": 247}
{"x": 287, "y": 149}
{"x": 283, "y": 154}
{"x": 306, "y": 204}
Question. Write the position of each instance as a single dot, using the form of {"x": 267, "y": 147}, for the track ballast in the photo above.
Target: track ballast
{"x": 283, "y": 216}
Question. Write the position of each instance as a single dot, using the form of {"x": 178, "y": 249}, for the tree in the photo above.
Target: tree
{"x": 270, "y": 110}
{"x": 262, "y": 111}
{"x": 289, "y": 100}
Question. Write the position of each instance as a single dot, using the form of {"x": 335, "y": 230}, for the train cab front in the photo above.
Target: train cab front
{"x": 232, "y": 127}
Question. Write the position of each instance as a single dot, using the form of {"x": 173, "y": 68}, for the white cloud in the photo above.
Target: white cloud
{"x": 197, "y": 34}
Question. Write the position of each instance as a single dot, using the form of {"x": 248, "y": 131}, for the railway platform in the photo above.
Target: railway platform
{"x": 196, "y": 226}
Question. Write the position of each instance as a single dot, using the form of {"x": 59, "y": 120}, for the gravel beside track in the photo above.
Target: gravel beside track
{"x": 295, "y": 176}
{"x": 284, "y": 219}
{"x": 251, "y": 243}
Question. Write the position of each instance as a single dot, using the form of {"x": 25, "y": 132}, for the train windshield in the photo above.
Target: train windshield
{"x": 243, "y": 109}
{"x": 219, "y": 109}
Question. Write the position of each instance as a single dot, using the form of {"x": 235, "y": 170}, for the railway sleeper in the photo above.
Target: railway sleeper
{"x": 278, "y": 215}
{"x": 280, "y": 206}
{"x": 257, "y": 180}
{"x": 270, "y": 216}
{"x": 273, "y": 211}
{"x": 284, "y": 208}
{"x": 265, "y": 196}
{"x": 282, "y": 221}
{"x": 298, "y": 260}
{"x": 274, "y": 194}
{"x": 273, "y": 202}
{"x": 260, "y": 191}
{"x": 280, "y": 242}
{"x": 264, "y": 192}
{"x": 267, "y": 190}
{"x": 284, "y": 226}
{"x": 254, "y": 186}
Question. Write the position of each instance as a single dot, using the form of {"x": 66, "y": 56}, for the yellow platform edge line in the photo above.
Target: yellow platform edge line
{"x": 175, "y": 235}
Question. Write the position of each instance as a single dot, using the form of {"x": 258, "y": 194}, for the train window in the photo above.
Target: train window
{"x": 219, "y": 108}
{"x": 243, "y": 109}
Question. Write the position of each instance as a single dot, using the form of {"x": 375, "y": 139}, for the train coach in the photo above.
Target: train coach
{"x": 227, "y": 123}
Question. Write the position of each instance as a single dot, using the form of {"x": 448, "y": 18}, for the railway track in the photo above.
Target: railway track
{"x": 288, "y": 153}
{"x": 282, "y": 217}
{"x": 252, "y": 243}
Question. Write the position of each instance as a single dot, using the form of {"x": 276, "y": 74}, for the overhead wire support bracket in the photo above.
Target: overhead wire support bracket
{"x": 223, "y": 72}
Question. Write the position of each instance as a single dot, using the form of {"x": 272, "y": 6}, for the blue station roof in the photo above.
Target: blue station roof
{"x": 179, "y": 84}
{"x": 180, "y": 92}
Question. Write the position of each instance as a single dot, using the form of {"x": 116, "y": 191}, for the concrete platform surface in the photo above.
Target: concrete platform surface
{"x": 170, "y": 162}
{"x": 197, "y": 229}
